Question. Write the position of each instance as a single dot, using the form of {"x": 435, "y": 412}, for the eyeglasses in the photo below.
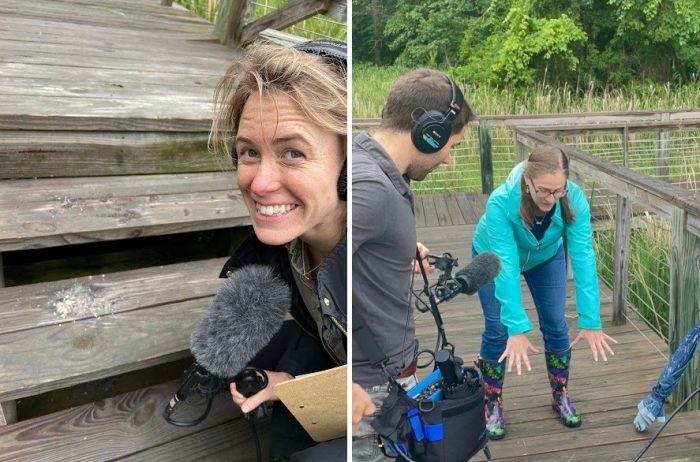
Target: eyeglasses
{"x": 544, "y": 193}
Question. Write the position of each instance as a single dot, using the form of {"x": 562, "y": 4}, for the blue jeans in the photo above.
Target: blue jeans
{"x": 547, "y": 283}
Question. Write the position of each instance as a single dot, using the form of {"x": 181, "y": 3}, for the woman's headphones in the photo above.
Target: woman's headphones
{"x": 336, "y": 53}
{"x": 433, "y": 128}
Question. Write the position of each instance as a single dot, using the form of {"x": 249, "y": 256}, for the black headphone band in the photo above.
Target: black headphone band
{"x": 456, "y": 102}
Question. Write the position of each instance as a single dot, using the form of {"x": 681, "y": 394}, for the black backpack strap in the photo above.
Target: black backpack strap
{"x": 368, "y": 344}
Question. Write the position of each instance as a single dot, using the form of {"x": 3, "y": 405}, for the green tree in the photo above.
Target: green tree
{"x": 369, "y": 18}
{"x": 428, "y": 32}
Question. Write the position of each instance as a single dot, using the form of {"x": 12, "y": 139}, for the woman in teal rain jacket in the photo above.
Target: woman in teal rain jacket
{"x": 525, "y": 221}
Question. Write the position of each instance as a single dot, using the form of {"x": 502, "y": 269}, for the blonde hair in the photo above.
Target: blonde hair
{"x": 316, "y": 85}
{"x": 544, "y": 159}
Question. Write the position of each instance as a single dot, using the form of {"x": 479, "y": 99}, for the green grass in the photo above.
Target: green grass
{"x": 648, "y": 290}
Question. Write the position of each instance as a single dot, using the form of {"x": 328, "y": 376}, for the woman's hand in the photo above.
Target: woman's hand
{"x": 423, "y": 252}
{"x": 597, "y": 340}
{"x": 516, "y": 352}
{"x": 266, "y": 394}
{"x": 362, "y": 405}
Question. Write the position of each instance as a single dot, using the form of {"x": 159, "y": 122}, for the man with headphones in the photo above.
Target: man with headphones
{"x": 423, "y": 118}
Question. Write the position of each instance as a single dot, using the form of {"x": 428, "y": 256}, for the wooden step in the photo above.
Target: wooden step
{"x": 51, "y": 212}
{"x": 59, "y": 334}
{"x": 130, "y": 427}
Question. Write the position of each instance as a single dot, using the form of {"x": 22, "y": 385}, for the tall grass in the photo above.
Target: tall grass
{"x": 371, "y": 85}
{"x": 648, "y": 291}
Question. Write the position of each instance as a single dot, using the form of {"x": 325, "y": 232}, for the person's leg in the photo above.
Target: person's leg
{"x": 547, "y": 283}
{"x": 493, "y": 344}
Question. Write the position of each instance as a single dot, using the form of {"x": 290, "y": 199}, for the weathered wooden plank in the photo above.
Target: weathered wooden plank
{"x": 68, "y": 76}
{"x": 55, "y": 154}
{"x": 675, "y": 448}
{"x": 111, "y": 16}
{"x": 470, "y": 215}
{"x": 32, "y": 306}
{"x": 419, "y": 211}
{"x": 583, "y": 438}
{"x": 117, "y": 427}
{"x": 106, "y": 90}
{"x": 223, "y": 443}
{"x": 453, "y": 209}
{"x": 57, "y": 356}
{"x": 121, "y": 218}
{"x": 163, "y": 107}
{"x": 67, "y": 191}
{"x": 431, "y": 218}
{"x": 441, "y": 210}
{"x": 189, "y": 122}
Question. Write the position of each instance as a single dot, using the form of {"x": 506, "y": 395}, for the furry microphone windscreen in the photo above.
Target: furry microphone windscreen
{"x": 244, "y": 315}
{"x": 479, "y": 272}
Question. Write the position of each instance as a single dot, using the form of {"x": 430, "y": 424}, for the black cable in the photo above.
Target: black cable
{"x": 189, "y": 423}
{"x": 658, "y": 432}
{"x": 250, "y": 417}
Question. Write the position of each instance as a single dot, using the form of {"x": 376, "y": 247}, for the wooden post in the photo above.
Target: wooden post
{"x": 521, "y": 150}
{"x": 625, "y": 146}
{"x": 684, "y": 312}
{"x": 486, "y": 156}
{"x": 662, "y": 159}
{"x": 230, "y": 21}
{"x": 623, "y": 228}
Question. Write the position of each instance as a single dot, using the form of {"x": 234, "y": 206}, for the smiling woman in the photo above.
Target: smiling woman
{"x": 281, "y": 116}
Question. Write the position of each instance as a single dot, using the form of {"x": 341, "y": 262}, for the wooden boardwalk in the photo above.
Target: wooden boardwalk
{"x": 605, "y": 393}
{"x": 106, "y": 64}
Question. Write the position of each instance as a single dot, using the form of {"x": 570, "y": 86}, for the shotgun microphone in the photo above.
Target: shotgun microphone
{"x": 480, "y": 271}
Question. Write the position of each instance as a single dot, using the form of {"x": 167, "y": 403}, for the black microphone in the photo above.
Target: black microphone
{"x": 242, "y": 319}
{"x": 479, "y": 272}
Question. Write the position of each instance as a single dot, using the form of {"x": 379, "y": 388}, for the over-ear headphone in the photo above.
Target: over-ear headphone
{"x": 433, "y": 128}
{"x": 334, "y": 52}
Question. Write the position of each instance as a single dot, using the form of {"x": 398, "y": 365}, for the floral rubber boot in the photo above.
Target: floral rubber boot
{"x": 493, "y": 373}
{"x": 558, "y": 373}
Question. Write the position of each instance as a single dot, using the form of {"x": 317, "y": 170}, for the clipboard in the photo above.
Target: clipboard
{"x": 318, "y": 401}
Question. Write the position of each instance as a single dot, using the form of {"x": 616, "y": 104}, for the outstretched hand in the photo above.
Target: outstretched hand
{"x": 597, "y": 340}
{"x": 516, "y": 352}
{"x": 266, "y": 394}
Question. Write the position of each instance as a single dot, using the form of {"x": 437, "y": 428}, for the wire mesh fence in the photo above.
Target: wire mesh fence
{"x": 317, "y": 27}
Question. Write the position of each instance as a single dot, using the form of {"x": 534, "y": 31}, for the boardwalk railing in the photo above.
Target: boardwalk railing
{"x": 234, "y": 28}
